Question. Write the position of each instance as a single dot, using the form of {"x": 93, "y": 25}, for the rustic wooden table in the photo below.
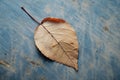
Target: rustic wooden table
{"x": 97, "y": 24}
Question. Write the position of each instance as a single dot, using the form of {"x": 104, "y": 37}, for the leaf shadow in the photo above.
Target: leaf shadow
{"x": 45, "y": 59}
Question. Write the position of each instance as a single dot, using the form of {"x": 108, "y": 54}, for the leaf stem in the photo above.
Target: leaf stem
{"x": 47, "y": 31}
{"x": 30, "y": 15}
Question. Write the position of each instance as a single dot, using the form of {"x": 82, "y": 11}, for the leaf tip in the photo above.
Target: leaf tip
{"x": 76, "y": 67}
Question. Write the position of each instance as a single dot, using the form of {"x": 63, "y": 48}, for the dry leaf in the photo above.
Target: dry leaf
{"x": 57, "y": 40}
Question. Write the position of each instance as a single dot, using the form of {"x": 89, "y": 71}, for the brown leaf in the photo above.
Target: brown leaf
{"x": 57, "y": 40}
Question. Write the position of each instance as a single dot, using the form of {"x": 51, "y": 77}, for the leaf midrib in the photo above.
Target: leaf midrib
{"x": 57, "y": 43}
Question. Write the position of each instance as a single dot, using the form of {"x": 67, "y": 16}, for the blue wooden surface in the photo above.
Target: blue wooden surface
{"x": 97, "y": 24}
